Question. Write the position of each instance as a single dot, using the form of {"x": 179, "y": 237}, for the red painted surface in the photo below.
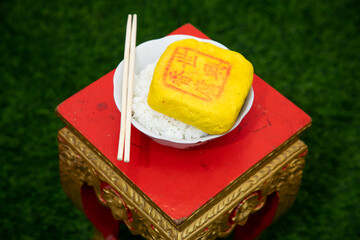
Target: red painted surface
{"x": 181, "y": 181}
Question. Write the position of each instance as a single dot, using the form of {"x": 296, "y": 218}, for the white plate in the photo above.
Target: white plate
{"x": 150, "y": 51}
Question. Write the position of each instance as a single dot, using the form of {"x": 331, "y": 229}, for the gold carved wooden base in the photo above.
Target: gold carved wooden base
{"x": 280, "y": 172}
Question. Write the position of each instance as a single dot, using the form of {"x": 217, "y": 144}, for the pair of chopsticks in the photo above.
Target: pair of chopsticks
{"x": 127, "y": 89}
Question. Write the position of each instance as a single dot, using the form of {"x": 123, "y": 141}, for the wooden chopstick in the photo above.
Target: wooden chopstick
{"x": 124, "y": 90}
{"x": 130, "y": 89}
{"x": 127, "y": 89}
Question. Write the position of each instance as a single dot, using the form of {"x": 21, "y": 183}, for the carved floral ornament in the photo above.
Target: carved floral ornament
{"x": 282, "y": 174}
{"x": 75, "y": 167}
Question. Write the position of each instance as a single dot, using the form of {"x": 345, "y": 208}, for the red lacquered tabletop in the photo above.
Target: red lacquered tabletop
{"x": 181, "y": 181}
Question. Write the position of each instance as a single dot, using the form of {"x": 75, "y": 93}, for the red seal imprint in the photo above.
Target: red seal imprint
{"x": 196, "y": 73}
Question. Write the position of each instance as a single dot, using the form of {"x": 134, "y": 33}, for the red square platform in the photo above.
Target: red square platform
{"x": 167, "y": 193}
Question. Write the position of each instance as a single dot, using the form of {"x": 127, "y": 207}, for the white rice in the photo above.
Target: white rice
{"x": 154, "y": 121}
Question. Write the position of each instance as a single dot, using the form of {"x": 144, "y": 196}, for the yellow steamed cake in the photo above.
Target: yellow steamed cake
{"x": 201, "y": 85}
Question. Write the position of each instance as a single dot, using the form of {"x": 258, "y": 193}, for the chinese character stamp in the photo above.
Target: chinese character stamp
{"x": 196, "y": 73}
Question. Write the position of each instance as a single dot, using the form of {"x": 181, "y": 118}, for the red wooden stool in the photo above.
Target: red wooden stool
{"x": 247, "y": 178}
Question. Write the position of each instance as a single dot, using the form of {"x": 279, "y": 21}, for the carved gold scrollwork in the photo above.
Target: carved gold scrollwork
{"x": 79, "y": 164}
{"x": 285, "y": 181}
{"x": 75, "y": 168}
{"x": 74, "y": 172}
{"x": 144, "y": 228}
{"x": 220, "y": 228}
{"x": 250, "y": 204}
{"x": 115, "y": 202}
{"x": 137, "y": 224}
{"x": 289, "y": 187}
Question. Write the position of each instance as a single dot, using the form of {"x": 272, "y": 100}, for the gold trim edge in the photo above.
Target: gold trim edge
{"x": 142, "y": 204}
{"x": 245, "y": 176}
{"x": 236, "y": 194}
{"x": 183, "y": 223}
{"x": 179, "y": 222}
{"x": 105, "y": 173}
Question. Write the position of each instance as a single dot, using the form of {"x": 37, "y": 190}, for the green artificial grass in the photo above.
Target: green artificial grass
{"x": 308, "y": 50}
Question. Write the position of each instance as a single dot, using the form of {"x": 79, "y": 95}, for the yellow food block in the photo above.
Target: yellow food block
{"x": 201, "y": 84}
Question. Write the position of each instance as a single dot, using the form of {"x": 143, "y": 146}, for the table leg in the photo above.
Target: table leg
{"x": 279, "y": 191}
{"x": 105, "y": 198}
{"x": 79, "y": 184}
